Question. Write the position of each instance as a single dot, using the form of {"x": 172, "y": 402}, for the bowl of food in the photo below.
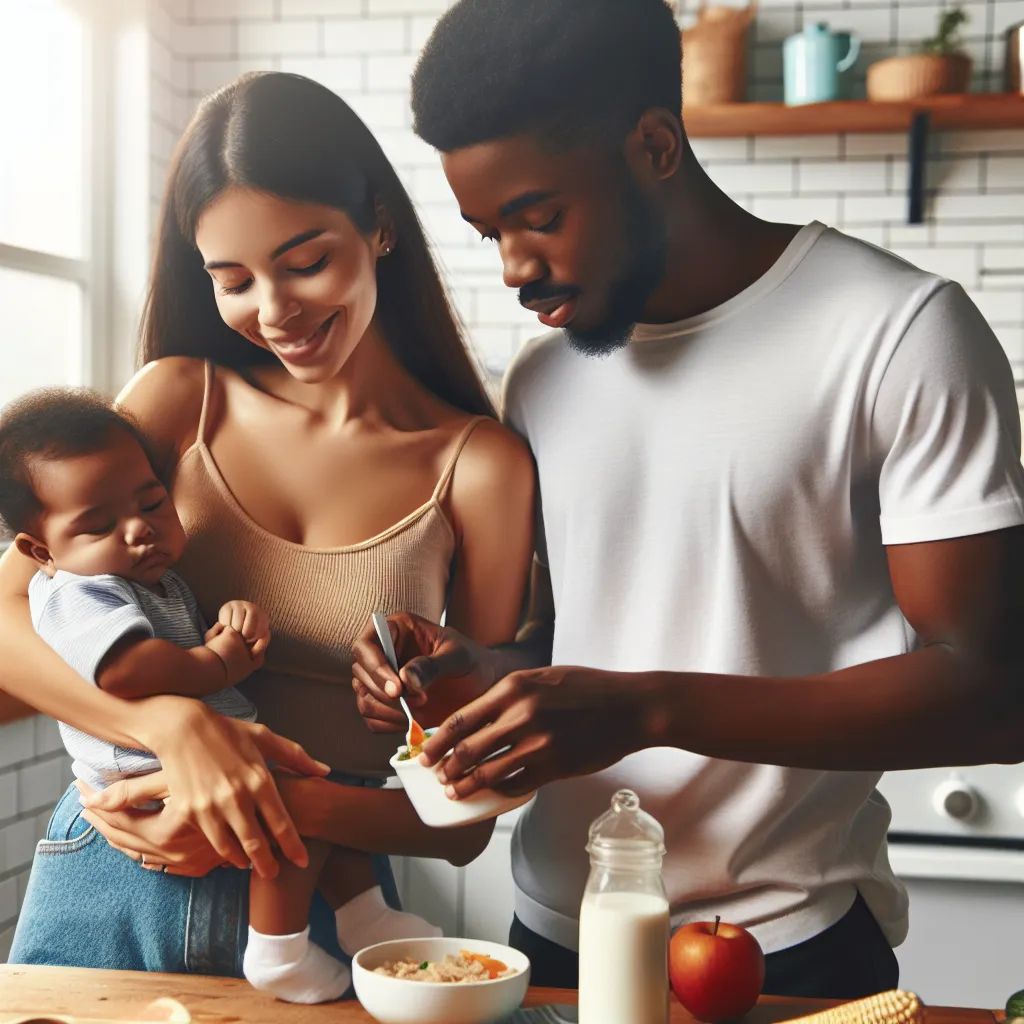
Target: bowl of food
{"x": 440, "y": 981}
{"x": 427, "y": 794}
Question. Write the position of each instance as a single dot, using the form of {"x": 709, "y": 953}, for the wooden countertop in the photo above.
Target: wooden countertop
{"x": 41, "y": 995}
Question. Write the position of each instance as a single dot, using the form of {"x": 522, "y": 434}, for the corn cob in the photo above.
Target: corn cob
{"x": 892, "y": 1007}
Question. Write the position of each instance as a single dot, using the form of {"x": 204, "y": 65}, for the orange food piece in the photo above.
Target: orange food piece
{"x": 493, "y": 967}
{"x": 417, "y": 736}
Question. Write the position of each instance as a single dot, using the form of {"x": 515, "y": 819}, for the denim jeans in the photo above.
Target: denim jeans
{"x": 89, "y": 905}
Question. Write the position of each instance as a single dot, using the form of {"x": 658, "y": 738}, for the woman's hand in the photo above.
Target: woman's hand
{"x": 158, "y": 840}
{"x": 216, "y": 773}
{"x": 426, "y": 652}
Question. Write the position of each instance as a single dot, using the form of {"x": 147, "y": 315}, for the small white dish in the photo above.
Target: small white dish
{"x": 400, "y": 1001}
{"x": 428, "y": 798}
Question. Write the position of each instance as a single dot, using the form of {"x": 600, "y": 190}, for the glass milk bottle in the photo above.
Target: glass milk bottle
{"x": 624, "y": 920}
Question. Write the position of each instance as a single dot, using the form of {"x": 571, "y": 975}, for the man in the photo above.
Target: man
{"x": 782, "y": 506}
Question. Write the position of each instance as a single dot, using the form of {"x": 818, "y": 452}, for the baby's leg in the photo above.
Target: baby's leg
{"x": 280, "y": 958}
{"x": 348, "y": 884}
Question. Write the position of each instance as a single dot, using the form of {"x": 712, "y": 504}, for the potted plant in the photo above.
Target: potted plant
{"x": 940, "y": 68}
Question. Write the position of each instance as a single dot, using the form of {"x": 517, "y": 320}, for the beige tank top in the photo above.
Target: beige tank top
{"x": 319, "y": 600}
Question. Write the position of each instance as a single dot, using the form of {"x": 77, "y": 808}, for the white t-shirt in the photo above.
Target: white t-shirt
{"x": 716, "y": 498}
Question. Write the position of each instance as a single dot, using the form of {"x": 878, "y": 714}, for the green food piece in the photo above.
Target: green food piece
{"x": 404, "y": 755}
{"x": 424, "y": 965}
{"x": 1015, "y": 1004}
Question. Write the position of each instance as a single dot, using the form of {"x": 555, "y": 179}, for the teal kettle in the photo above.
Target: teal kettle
{"x": 812, "y": 62}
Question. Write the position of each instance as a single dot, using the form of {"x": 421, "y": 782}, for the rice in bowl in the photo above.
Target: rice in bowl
{"x": 455, "y": 970}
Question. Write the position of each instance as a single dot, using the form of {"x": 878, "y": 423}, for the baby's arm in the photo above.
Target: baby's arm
{"x": 97, "y": 626}
{"x": 141, "y": 666}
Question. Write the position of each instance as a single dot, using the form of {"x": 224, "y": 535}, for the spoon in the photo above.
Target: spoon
{"x": 380, "y": 623}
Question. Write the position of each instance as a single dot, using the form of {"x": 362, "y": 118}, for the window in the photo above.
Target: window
{"x": 47, "y": 237}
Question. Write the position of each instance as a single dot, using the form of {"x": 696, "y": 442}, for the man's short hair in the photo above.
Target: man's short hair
{"x": 572, "y": 71}
{"x": 45, "y": 426}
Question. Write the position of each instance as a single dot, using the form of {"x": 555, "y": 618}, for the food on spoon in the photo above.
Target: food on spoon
{"x": 414, "y": 744}
{"x": 463, "y": 969}
{"x": 416, "y": 738}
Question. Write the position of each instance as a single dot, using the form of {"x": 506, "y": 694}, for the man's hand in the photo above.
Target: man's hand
{"x": 239, "y": 658}
{"x": 547, "y": 724}
{"x": 426, "y": 652}
{"x": 246, "y": 618}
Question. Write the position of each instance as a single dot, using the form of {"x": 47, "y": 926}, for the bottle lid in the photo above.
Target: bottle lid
{"x": 625, "y": 831}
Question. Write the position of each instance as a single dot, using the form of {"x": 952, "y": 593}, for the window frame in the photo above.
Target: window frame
{"x": 90, "y": 271}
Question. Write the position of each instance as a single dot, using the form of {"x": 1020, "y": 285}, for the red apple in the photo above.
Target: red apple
{"x": 716, "y": 970}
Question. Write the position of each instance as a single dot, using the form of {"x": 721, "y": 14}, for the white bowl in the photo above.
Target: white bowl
{"x": 400, "y": 1001}
{"x": 427, "y": 795}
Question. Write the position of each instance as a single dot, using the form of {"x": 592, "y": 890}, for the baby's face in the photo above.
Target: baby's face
{"x": 107, "y": 513}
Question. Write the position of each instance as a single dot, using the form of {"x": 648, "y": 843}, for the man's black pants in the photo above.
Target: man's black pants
{"x": 847, "y": 961}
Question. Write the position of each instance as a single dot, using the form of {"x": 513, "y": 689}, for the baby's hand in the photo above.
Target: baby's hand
{"x": 248, "y": 619}
{"x": 239, "y": 658}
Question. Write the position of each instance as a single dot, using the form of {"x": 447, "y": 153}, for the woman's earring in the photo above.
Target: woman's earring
{"x": 386, "y": 250}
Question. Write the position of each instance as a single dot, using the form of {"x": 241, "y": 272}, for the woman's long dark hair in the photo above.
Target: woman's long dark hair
{"x": 291, "y": 137}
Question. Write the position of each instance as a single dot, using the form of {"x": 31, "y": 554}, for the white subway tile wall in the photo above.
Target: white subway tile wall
{"x": 365, "y": 50}
{"x": 34, "y": 771}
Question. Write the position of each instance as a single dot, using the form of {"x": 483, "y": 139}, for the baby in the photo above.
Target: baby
{"x": 80, "y": 494}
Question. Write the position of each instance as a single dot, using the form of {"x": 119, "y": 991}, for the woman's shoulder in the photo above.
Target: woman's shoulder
{"x": 493, "y": 459}
{"x": 166, "y": 398}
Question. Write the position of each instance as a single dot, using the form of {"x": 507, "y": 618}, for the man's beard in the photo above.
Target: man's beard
{"x": 646, "y": 244}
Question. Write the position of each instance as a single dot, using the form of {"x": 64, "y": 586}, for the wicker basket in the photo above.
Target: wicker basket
{"x": 715, "y": 55}
{"x": 917, "y": 76}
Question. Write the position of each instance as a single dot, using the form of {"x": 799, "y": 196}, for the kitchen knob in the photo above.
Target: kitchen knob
{"x": 956, "y": 800}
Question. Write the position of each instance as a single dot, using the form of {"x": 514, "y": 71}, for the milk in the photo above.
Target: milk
{"x": 623, "y": 958}
{"x": 624, "y": 926}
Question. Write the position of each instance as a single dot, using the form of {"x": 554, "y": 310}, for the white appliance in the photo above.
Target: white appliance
{"x": 957, "y": 841}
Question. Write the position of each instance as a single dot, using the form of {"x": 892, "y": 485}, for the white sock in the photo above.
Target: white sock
{"x": 293, "y": 968}
{"x": 366, "y": 920}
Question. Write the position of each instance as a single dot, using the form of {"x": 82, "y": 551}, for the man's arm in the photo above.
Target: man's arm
{"x": 957, "y": 700}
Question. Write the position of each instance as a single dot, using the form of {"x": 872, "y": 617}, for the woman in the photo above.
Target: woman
{"x": 333, "y": 453}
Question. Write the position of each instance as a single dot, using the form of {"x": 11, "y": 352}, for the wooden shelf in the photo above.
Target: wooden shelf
{"x": 960, "y": 113}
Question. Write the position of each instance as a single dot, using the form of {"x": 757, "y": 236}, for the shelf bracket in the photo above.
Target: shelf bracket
{"x": 917, "y": 157}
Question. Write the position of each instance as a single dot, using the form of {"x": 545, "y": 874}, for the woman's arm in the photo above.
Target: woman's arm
{"x": 216, "y": 766}
{"x": 37, "y": 675}
{"x": 372, "y": 820}
{"x": 491, "y": 504}
{"x": 376, "y": 821}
